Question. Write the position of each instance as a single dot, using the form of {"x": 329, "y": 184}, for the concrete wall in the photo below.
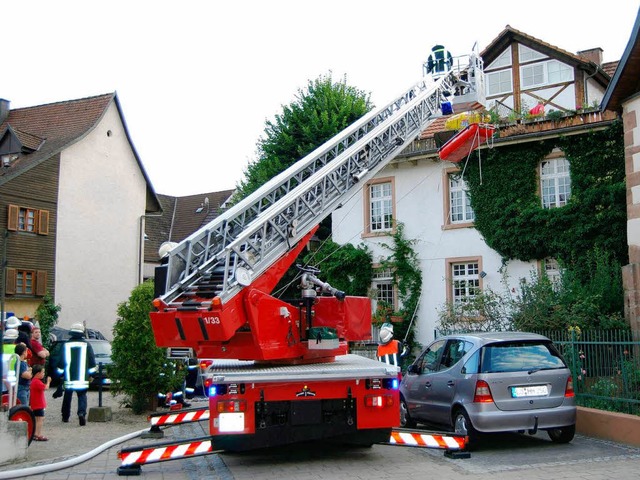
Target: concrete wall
{"x": 102, "y": 197}
{"x": 13, "y": 440}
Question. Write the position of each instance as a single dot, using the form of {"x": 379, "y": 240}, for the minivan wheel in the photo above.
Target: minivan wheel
{"x": 462, "y": 426}
{"x": 562, "y": 434}
{"x": 405, "y": 419}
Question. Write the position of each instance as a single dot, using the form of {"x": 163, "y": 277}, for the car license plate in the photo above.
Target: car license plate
{"x": 231, "y": 422}
{"x": 529, "y": 391}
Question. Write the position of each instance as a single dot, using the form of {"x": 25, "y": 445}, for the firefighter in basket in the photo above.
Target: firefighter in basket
{"x": 390, "y": 351}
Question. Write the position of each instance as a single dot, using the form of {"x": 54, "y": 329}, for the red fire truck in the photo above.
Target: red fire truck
{"x": 282, "y": 371}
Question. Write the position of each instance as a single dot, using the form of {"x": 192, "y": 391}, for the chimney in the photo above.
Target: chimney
{"x": 4, "y": 109}
{"x": 592, "y": 55}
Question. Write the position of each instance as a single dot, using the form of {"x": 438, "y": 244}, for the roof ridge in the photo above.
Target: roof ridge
{"x": 62, "y": 102}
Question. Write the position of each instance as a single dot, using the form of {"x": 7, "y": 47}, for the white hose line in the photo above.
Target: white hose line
{"x": 40, "y": 469}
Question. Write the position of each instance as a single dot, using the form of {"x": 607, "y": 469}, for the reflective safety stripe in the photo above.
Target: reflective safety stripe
{"x": 11, "y": 367}
{"x": 415, "y": 439}
{"x": 169, "y": 452}
{"x": 76, "y": 376}
{"x": 178, "y": 418}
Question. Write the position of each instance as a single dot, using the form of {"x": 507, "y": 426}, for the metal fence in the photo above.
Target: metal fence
{"x": 605, "y": 366}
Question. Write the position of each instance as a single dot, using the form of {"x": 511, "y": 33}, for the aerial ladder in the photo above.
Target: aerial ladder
{"x": 281, "y": 371}
{"x": 203, "y": 288}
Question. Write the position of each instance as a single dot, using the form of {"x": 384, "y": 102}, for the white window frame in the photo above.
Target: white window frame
{"x": 384, "y": 205}
{"x": 383, "y": 286}
{"x": 563, "y": 71}
{"x": 499, "y": 82}
{"x": 555, "y": 182}
{"x": 526, "y": 54}
{"x": 532, "y": 75}
{"x": 545, "y": 73}
{"x": 551, "y": 268}
{"x": 503, "y": 60}
{"x": 459, "y": 200}
{"x": 465, "y": 280}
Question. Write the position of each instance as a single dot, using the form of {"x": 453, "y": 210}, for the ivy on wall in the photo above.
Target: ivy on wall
{"x": 407, "y": 274}
{"x": 504, "y": 189}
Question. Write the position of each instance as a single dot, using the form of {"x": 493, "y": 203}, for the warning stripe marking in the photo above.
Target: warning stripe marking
{"x": 171, "y": 452}
{"x": 427, "y": 440}
{"x": 175, "y": 418}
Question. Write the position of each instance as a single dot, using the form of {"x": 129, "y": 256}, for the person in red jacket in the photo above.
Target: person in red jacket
{"x": 39, "y": 400}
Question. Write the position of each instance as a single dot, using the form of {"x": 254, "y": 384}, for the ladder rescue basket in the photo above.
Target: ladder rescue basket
{"x": 464, "y": 142}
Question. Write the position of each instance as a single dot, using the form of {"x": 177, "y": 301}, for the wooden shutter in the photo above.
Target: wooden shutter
{"x": 43, "y": 222}
{"x": 12, "y": 218}
{"x": 11, "y": 281}
{"x": 41, "y": 283}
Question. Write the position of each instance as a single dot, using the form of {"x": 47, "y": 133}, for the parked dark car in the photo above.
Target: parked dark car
{"x": 491, "y": 382}
{"x": 101, "y": 350}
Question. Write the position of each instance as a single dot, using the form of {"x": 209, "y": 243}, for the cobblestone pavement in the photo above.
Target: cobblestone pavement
{"x": 530, "y": 460}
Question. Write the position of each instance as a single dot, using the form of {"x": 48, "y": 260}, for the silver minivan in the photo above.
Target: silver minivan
{"x": 491, "y": 382}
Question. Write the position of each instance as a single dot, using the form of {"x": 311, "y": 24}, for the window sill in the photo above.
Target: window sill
{"x": 386, "y": 233}
{"x": 455, "y": 226}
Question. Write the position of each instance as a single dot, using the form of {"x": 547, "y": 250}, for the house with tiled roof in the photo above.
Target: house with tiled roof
{"x": 431, "y": 198}
{"x": 181, "y": 216}
{"x": 623, "y": 97}
{"x": 74, "y": 196}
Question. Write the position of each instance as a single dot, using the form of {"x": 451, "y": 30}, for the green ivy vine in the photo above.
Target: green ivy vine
{"x": 405, "y": 265}
{"x": 503, "y": 187}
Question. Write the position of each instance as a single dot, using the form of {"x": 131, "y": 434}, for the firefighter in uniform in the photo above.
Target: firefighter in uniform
{"x": 77, "y": 363}
{"x": 439, "y": 61}
{"x": 390, "y": 351}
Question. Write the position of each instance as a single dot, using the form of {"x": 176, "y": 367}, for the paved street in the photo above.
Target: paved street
{"x": 504, "y": 457}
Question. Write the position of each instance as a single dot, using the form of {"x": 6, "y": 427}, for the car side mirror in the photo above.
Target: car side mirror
{"x": 413, "y": 368}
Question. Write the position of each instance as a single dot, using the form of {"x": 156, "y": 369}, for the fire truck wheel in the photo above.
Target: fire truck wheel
{"x": 405, "y": 419}
{"x": 462, "y": 426}
{"x": 22, "y": 413}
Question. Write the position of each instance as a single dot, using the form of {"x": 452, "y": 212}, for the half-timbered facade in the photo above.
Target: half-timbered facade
{"x": 430, "y": 197}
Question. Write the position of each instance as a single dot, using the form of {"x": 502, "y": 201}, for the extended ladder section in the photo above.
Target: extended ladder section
{"x": 239, "y": 245}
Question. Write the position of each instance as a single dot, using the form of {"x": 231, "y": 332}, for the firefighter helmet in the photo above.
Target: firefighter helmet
{"x": 13, "y": 322}
{"x": 77, "y": 327}
{"x": 386, "y": 332}
{"x": 10, "y": 335}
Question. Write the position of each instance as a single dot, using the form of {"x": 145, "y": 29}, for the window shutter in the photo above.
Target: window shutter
{"x": 43, "y": 222}
{"x": 41, "y": 283}
{"x": 11, "y": 281}
{"x": 12, "y": 219}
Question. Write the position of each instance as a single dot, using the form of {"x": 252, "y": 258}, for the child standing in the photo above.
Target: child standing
{"x": 38, "y": 400}
{"x": 24, "y": 379}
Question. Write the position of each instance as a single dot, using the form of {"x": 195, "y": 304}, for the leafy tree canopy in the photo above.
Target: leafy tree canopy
{"x": 317, "y": 114}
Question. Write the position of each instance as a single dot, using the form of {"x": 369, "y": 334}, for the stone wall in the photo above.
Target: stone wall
{"x": 13, "y": 440}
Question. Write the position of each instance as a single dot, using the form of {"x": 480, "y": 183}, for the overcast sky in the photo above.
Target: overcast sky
{"x": 198, "y": 79}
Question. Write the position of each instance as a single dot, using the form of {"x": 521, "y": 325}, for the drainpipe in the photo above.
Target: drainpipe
{"x": 141, "y": 240}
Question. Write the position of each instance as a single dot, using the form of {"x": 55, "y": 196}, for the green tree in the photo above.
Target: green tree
{"x": 140, "y": 369}
{"x": 316, "y": 115}
{"x": 47, "y": 316}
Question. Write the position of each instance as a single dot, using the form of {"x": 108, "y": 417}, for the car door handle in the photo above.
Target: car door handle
{"x": 427, "y": 384}
{"x": 451, "y": 383}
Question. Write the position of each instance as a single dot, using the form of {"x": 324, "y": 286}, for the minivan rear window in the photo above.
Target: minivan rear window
{"x": 520, "y": 356}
